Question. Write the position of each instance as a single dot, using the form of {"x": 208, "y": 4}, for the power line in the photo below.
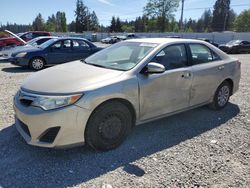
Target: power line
{"x": 185, "y": 9}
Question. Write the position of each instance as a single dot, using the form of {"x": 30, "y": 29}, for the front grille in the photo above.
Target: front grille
{"x": 49, "y": 135}
{"x": 24, "y": 128}
{"x": 26, "y": 102}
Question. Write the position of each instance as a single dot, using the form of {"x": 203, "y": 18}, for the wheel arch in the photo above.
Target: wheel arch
{"x": 231, "y": 83}
{"x": 127, "y": 103}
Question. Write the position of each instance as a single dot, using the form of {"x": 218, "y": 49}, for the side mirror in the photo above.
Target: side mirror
{"x": 154, "y": 68}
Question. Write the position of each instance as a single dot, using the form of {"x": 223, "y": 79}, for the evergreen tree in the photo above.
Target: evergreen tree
{"x": 113, "y": 25}
{"x": 220, "y": 20}
{"x": 82, "y": 17}
{"x": 207, "y": 20}
{"x": 51, "y": 23}
{"x": 118, "y": 25}
{"x": 38, "y": 24}
{"x": 94, "y": 23}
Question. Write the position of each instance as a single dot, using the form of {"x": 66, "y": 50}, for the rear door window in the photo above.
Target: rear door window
{"x": 202, "y": 54}
{"x": 80, "y": 44}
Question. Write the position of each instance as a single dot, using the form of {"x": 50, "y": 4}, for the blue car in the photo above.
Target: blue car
{"x": 54, "y": 51}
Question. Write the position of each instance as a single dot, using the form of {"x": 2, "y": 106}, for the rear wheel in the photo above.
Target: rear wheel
{"x": 108, "y": 126}
{"x": 221, "y": 96}
{"x": 37, "y": 63}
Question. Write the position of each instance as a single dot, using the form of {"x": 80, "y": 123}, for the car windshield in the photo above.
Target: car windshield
{"x": 121, "y": 56}
{"x": 47, "y": 43}
{"x": 234, "y": 42}
{"x": 33, "y": 42}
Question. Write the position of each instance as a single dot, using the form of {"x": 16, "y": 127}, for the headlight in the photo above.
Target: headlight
{"x": 53, "y": 102}
{"x": 22, "y": 54}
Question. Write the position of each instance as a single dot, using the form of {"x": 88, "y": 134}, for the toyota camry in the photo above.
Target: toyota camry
{"x": 98, "y": 100}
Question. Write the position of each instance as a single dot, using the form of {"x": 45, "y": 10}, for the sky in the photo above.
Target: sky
{"x": 25, "y": 11}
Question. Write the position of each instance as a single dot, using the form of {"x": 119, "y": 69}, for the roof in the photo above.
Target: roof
{"x": 161, "y": 40}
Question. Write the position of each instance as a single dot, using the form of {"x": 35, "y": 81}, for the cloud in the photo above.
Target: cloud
{"x": 106, "y": 2}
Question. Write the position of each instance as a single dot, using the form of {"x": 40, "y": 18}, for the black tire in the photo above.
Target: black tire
{"x": 108, "y": 126}
{"x": 37, "y": 63}
{"x": 221, "y": 96}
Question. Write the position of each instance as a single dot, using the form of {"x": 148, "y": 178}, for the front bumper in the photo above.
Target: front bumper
{"x": 63, "y": 127}
{"x": 19, "y": 61}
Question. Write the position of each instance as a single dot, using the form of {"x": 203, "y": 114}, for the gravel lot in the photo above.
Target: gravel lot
{"x": 198, "y": 148}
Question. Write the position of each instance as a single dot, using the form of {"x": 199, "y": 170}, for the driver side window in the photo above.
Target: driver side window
{"x": 172, "y": 57}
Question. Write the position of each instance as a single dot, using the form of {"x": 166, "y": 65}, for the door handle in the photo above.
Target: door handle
{"x": 221, "y": 67}
{"x": 186, "y": 75}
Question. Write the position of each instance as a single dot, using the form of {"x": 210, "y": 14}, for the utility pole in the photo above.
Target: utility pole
{"x": 182, "y": 8}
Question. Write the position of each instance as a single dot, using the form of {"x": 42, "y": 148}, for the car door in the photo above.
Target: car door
{"x": 169, "y": 91}
{"x": 80, "y": 49}
{"x": 207, "y": 69}
{"x": 245, "y": 47}
{"x": 60, "y": 52}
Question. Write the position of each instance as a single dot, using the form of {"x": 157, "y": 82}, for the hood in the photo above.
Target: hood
{"x": 9, "y": 51}
{"x": 14, "y": 36}
{"x": 25, "y": 49}
{"x": 68, "y": 78}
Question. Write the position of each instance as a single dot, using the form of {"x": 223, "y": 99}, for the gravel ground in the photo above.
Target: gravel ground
{"x": 198, "y": 148}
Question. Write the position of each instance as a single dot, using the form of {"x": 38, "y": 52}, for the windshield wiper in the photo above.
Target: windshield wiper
{"x": 97, "y": 65}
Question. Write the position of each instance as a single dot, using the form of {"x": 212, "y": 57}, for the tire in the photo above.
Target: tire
{"x": 221, "y": 96}
{"x": 37, "y": 63}
{"x": 108, "y": 126}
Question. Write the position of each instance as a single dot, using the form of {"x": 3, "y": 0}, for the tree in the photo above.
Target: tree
{"x": 51, "y": 23}
{"x": 220, "y": 20}
{"x": 162, "y": 10}
{"x": 207, "y": 20}
{"x": 38, "y": 24}
{"x": 63, "y": 22}
{"x": 72, "y": 26}
{"x": 113, "y": 25}
{"x": 242, "y": 22}
{"x": 231, "y": 18}
{"x": 94, "y": 23}
{"x": 118, "y": 25}
{"x": 82, "y": 17}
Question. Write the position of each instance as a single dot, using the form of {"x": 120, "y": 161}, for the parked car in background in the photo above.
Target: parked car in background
{"x": 209, "y": 41}
{"x": 109, "y": 40}
{"x": 236, "y": 46}
{"x": 8, "y": 38}
{"x": 7, "y": 51}
{"x": 98, "y": 100}
{"x": 54, "y": 51}
{"x": 131, "y": 36}
{"x": 121, "y": 37}
{"x": 32, "y": 34}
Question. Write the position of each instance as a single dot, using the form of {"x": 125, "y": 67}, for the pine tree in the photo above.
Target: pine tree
{"x": 220, "y": 20}
{"x": 38, "y": 24}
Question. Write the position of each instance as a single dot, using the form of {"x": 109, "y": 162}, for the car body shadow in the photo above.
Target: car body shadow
{"x": 41, "y": 167}
{"x": 17, "y": 69}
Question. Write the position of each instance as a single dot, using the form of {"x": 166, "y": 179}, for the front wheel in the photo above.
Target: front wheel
{"x": 108, "y": 126}
{"x": 221, "y": 96}
{"x": 37, "y": 63}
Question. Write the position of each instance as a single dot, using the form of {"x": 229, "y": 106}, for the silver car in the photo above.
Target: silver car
{"x": 98, "y": 100}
